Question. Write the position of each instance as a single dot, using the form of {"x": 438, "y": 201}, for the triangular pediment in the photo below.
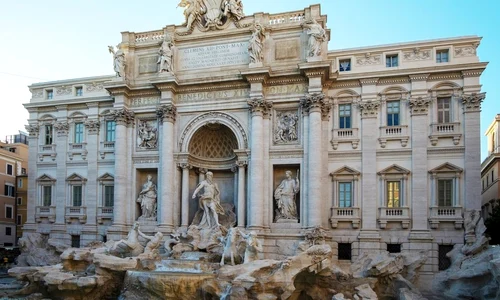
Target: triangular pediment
{"x": 75, "y": 177}
{"x": 394, "y": 169}
{"x": 446, "y": 168}
{"x": 45, "y": 177}
{"x": 106, "y": 176}
{"x": 345, "y": 170}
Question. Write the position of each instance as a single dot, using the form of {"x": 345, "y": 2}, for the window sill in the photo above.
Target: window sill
{"x": 345, "y": 135}
{"x": 394, "y": 214}
{"x": 345, "y": 214}
{"x": 446, "y": 214}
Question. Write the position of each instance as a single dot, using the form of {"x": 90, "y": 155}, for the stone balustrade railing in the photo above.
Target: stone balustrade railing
{"x": 48, "y": 212}
{"x": 293, "y": 17}
{"x": 149, "y": 37}
{"x": 345, "y": 214}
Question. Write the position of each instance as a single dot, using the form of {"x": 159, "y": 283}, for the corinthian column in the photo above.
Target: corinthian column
{"x": 185, "y": 194}
{"x": 166, "y": 115}
{"x": 258, "y": 107}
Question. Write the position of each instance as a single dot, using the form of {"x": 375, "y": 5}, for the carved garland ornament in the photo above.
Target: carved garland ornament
{"x": 122, "y": 116}
{"x": 166, "y": 112}
{"x": 419, "y": 105}
{"x": 472, "y": 102}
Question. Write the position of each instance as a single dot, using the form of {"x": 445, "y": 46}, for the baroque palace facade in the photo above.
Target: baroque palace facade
{"x": 382, "y": 142}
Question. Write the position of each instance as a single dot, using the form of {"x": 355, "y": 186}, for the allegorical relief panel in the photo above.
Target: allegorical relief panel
{"x": 147, "y": 134}
{"x": 286, "y": 127}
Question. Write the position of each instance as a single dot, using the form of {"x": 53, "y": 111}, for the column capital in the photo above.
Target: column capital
{"x": 369, "y": 109}
{"x": 184, "y": 165}
{"x": 32, "y": 129}
{"x": 241, "y": 163}
{"x": 92, "y": 126}
{"x": 472, "y": 102}
{"x": 260, "y": 105}
{"x": 123, "y": 116}
{"x": 419, "y": 105}
{"x": 316, "y": 101}
{"x": 167, "y": 112}
{"x": 202, "y": 171}
{"x": 62, "y": 128}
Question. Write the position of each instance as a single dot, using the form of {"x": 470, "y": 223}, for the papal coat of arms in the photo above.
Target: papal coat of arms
{"x": 211, "y": 14}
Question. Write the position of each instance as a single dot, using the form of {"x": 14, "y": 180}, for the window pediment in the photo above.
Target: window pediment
{"x": 345, "y": 171}
{"x": 106, "y": 177}
{"x": 394, "y": 170}
{"x": 45, "y": 178}
{"x": 446, "y": 168}
{"x": 76, "y": 177}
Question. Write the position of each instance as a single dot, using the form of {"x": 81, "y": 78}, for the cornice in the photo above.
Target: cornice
{"x": 446, "y": 150}
{"x": 212, "y": 87}
{"x": 445, "y": 76}
{"x": 472, "y": 73}
{"x": 332, "y": 156}
{"x": 281, "y": 80}
{"x": 394, "y": 152}
{"x": 419, "y": 77}
{"x": 393, "y": 80}
{"x": 368, "y": 81}
{"x": 345, "y": 84}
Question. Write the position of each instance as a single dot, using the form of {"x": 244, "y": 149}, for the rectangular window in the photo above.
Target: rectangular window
{"x": 50, "y": 94}
{"x": 393, "y": 196}
{"x": 10, "y": 169}
{"x": 9, "y": 190}
{"x": 443, "y": 110}
{"x": 78, "y": 91}
{"x": 345, "y": 252}
{"x": 19, "y": 220}
{"x": 394, "y": 248}
{"x": 75, "y": 241}
{"x": 442, "y": 56}
{"x": 444, "y": 262}
{"x": 344, "y": 65}
{"x": 109, "y": 195}
{"x": 345, "y": 194}
{"x": 345, "y": 116}
{"x": 9, "y": 212}
{"x": 19, "y": 201}
{"x": 391, "y": 60}
{"x": 46, "y": 195}
{"x": 8, "y": 231}
{"x": 23, "y": 171}
{"x": 77, "y": 195}
{"x": 48, "y": 134}
{"x": 393, "y": 113}
{"x": 19, "y": 182}
{"x": 110, "y": 131}
{"x": 78, "y": 133}
{"x": 445, "y": 192}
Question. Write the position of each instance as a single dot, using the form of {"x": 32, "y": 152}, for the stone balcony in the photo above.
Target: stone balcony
{"x": 345, "y": 214}
{"x": 345, "y": 135}
{"x": 104, "y": 213}
{"x": 394, "y": 214}
{"x": 45, "y": 212}
{"x": 77, "y": 149}
{"x": 445, "y": 130}
{"x": 446, "y": 214}
{"x": 47, "y": 150}
{"x": 394, "y": 133}
{"x": 76, "y": 212}
{"x": 106, "y": 148}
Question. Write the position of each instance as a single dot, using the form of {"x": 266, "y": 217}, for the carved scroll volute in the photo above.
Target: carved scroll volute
{"x": 166, "y": 113}
{"x": 472, "y": 102}
{"x": 123, "y": 116}
{"x": 369, "y": 108}
{"x": 260, "y": 105}
{"x": 419, "y": 105}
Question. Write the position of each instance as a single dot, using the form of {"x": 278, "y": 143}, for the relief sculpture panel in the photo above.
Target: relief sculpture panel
{"x": 286, "y": 127}
{"x": 147, "y": 135}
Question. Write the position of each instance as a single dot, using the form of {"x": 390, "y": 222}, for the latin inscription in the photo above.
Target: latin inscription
{"x": 286, "y": 89}
{"x": 213, "y": 56}
{"x": 215, "y": 95}
{"x": 145, "y": 101}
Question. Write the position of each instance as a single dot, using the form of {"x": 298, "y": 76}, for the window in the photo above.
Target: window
{"x": 492, "y": 175}
{"x": 443, "y": 261}
{"x": 394, "y": 248}
{"x": 77, "y": 195}
{"x": 344, "y": 65}
{"x": 391, "y": 60}
{"x": 9, "y": 190}
{"x": 19, "y": 182}
{"x": 50, "y": 94}
{"x": 109, "y": 195}
{"x": 75, "y": 241}
{"x": 19, "y": 220}
{"x": 10, "y": 169}
{"x": 48, "y": 134}
{"x": 23, "y": 171}
{"x": 393, "y": 113}
{"x": 445, "y": 192}
{"x": 78, "y": 133}
{"x": 393, "y": 191}
{"x": 8, "y": 230}
{"x": 46, "y": 195}
{"x": 344, "y": 251}
{"x": 19, "y": 201}
{"x": 443, "y": 110}
{"x": 9, "y": 212}
{"x": 442, "y": 56}
{"x": 345, "y": 116}
{"x": 110, "y": 131}
{"x": 78, "y": 91}
{"x": 13, "y": 150}
{"x": 345, "y": 194}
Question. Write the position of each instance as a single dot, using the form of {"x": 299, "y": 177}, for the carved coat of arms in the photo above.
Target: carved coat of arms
{"x": 211, "y": 14}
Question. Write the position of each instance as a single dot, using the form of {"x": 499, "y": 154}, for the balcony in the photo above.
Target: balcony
{"x": 106, "y": 147}
{"x": 446, "y": 214}
{"x": 394, "y": 214}
{"x": 394, "y": 133}
{"x": 45, "y": 212}
{"x": 47, "y": 150}
{"x": 345, "y": 214}
{"x": 77, "y": 149}
{"x": 104, "y": 213}
{"x": 76, "y": 212}
{"x": 445, "y": 130}
{"x": 345, "y": 135}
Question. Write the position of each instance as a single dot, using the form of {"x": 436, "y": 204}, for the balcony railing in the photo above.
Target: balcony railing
{"x": 104, "y": 213}
{"x": 293, "y": 17}
{"x": 106, "y": 147}
{"x": 77, "y": 149}
{"x": 388, "y": 133}
{"x": 48, "y": 212}
{"x": 345, "y": 214}
{"x": 345, "y": 135}
{"x": 47, "y": 150}
{"x": 445, "y": 130}
{"x": 76, "y": 212}
{"x": 446, "y": 214}
{"x": 394, "y": 214}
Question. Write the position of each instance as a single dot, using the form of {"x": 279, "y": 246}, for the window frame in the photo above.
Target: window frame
{"x": 441, "y": 111}
{"x": 394, "y": 173}
{"x": 342, "y": 202}
{"x": 78, "y": 91}
{"x": 78, "y": 132}
{"x": 345, "y": 121}
{"x": 48, "y": 134}
{"x": 19, "y": 201}
{"x": 392, "y": 60}
{"x": 110, "y": 134}
{"x": 8, "y": 231}
{"x": 11, "y": 173}
{"x": 19, "y": 219}
{"x": 390, "y": 193}
{"x": 349, "y": 67}
{"x": 446, "y": 171}
{"x": 75, "y": 182}
{"x": 394, "y": 117}
{"x": 7, "y": 208}
{"x": 46, "y": 195}
{"x": 49, "y": 94}
{"x": 44, "y": 182}
{"x": 9, "y": 190}
{"x": 105, "y": 199}
{"x": 19, "y": 182}
{"x": 439, "y": 53}
{"x": 445, "y": 202}
{"x": 105, "y": 180}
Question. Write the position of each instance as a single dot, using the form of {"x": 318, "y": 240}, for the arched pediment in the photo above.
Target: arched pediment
{"x": 394, "y": 170}
{"x": 394, "y": 93}
{"x": 446, "y": 168}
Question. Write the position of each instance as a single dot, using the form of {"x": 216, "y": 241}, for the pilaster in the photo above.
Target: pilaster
{"x": 61, "y": 128}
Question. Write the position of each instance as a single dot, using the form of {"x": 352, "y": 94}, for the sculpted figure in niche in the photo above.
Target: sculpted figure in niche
{"x": 285, "y": 197}
{"x": 165, "y": 56}
{"x": 254, "y": 246}
{"x": 192, "y": 10}
{"x": 147, "y": 199}
{"x": 118, "y": 61}
{"x": 256, "y": 44}
{"x": 234, "y": 8}
{"x": 209, "y": 201}
{"x": 317, "y": 35}
{"x": 147, "y": 136}
{"x": 286, "y": 128}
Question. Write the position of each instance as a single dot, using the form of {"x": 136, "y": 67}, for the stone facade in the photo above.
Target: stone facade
{"x": 384, "y": 140}
{"x": 490, "y": 168}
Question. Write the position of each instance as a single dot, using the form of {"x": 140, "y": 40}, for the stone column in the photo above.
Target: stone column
{"x": 92, "y": 198}
{"x": 166, "y": 116}
{"x": 268, "y": 211}
{"x": 241, "y": 193}
{"x": 315, "y": 105}
{"x": 61, "y": 140}
{"x": 185, "y": 194}
{"x": 201, "y": 174}
{"x": 258, "y": 107}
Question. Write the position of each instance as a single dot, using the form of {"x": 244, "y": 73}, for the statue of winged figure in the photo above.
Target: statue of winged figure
{"x": 193, "y": 9}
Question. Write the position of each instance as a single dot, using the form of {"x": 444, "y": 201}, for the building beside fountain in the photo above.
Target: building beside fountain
{"x": 379, "y": 146}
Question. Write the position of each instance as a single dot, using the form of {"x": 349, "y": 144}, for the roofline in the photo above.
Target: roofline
{"x": 495, "y": 120}
{"x": 68, "y": 81}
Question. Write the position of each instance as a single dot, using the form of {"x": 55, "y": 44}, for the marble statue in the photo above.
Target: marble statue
{"x": 193, "y": 9}
{"x": 210, "y": 14}
{"x": 256, "y": 44}
{"x": 147, "y": 135}
{"x": 234, "y": 8}
{"x": 253, "y": 247}
{"x": 285, "y": 197}
{"x": 118, "y": 61}
{"x": 151, "y": 249}
{"x": 165, "y": 56}
{"x": 147, "y": 199}
{"x": 317, "y": 35}
{"x": 286, "y": 128}
{"x": 230, "y": 249}
{"x": 131, "y": 246}
{"x": 209, "y": 202}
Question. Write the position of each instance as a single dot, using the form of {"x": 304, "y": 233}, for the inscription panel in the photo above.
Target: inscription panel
{"x": 148, "y": 64}
{"x": 213, "y": 56}
{"x": 286, "y": 89}
{"x": 287, "y": 49}
{"x": 144, "y": 101}
{"x": 213, "y": 95}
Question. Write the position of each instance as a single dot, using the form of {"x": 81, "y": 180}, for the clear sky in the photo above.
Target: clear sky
{"x": 55, "y": 39}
